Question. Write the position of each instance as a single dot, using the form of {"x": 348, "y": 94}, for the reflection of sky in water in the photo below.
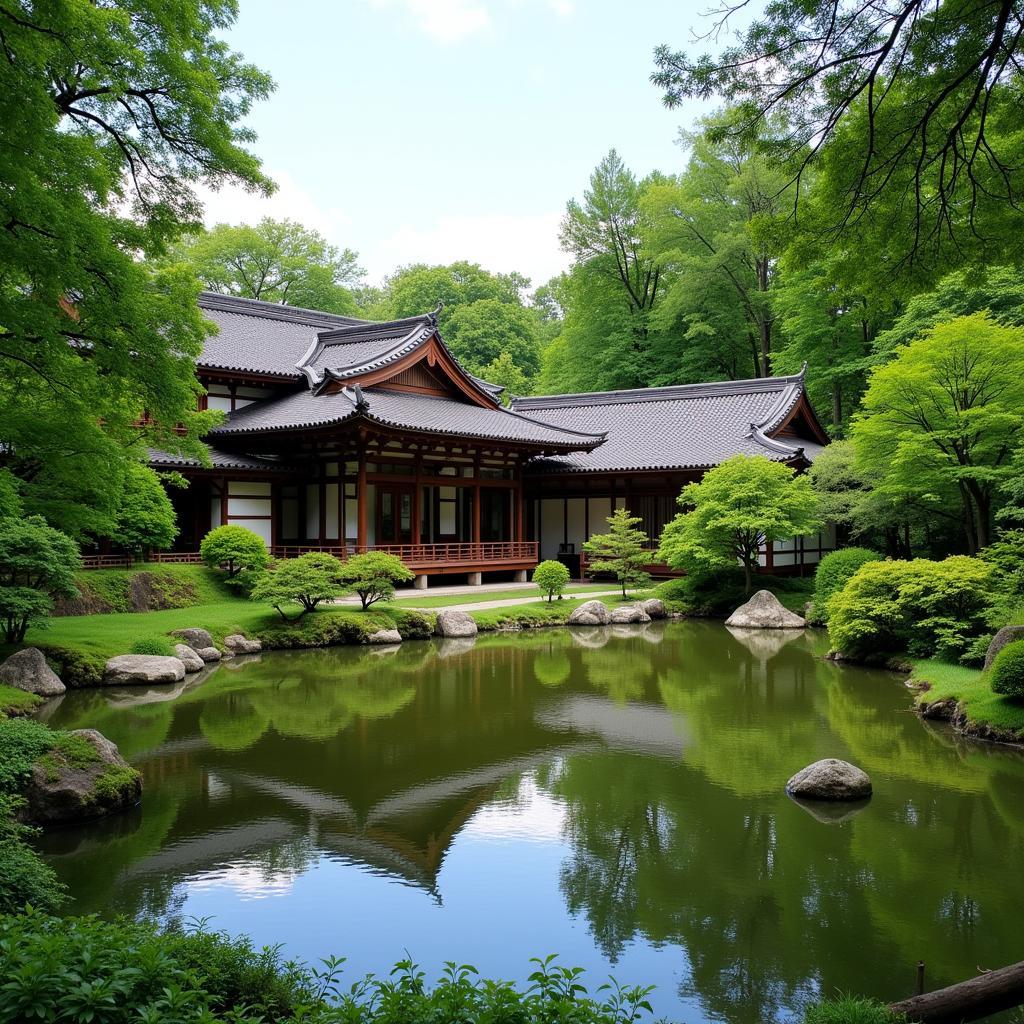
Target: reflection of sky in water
{"x": 501, "y": 873}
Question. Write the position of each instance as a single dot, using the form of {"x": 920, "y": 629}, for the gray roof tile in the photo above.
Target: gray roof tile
{"x": 308, "y": 410}
{"x": 218, "y": 460}
{"x": 262, "y": 337}
{"x": 690, "y": 426}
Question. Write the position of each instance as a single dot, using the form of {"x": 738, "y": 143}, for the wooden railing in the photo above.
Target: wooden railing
{"x": 425, "y": 556}
{"x": 498, "y": 553}
{"x": 127, "y": 561}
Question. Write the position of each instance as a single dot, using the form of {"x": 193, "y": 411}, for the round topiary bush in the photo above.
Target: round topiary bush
{"x": 1008, "y": 671}
{"x": 552, "y": 577}
{"x": 833, "y": 572}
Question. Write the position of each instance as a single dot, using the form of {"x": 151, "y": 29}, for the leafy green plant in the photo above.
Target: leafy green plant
{"x": 832, "y": 573}
{"x": 153, "y": 645}
{"x": 37, "y": 564}
{"x": 145, "y": 516}
{"x": 622, "y": 551}
{"x": 373, "y": 575}
{"x": 306, "y": 581}
{"x": 552, "y": 577}
{"x": 921, "y": 607}
{"x": 1007, "y": 673}
{"x": 239, "y": 552}
{"x": 81, "y": 969}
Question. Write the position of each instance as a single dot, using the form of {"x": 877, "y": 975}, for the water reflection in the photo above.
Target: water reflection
{"x": 627, "y": 779}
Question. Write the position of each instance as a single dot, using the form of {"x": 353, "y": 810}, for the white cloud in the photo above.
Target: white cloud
{"x": 451, "y": 21}
{"x": 290, "y": 201}
{"x": 498, "y": 242}
{"x": 446, "y": 21}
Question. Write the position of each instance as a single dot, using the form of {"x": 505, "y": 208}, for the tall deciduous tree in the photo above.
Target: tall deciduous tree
{"x": 479, "y": 332}
{"x": 110, "y": 115}
{"x": 274, "y": 260}
{"x": 737, "y": 507}
{"x": 947, "y": 413}
{"x": 724, "y": 218}
{"x": 913, "y": 106}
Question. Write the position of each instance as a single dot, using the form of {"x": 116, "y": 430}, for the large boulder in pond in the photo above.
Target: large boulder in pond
{"x": 655, "y": 607}
{"x": 27, "y": 670}
{"x": 764, "y": 611}
{"x": 628, "y": 613}
{"x": 189, "y": 658}
{"x": 238, "y": 644}
{"x": 130, "y": 669}
{"x": 196, "y": 638}
{"x": 1007, "y": 635}
{"x": 452, "y": 623}
{"x": 209, "y": 654}
{"x": 590, "y": 613}
{"x": 830, "y": 779}
{"x": 75, "y": 782}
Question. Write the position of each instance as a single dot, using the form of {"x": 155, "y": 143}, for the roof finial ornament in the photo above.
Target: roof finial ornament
{"x": 432, "y": 317}
{"x": 362, "y": 403}
{"x": 803, "y": 370}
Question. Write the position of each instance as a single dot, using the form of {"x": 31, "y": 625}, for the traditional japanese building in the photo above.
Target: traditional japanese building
{"x": 346, "y": 435}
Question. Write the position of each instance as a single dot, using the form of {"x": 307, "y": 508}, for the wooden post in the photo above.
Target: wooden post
{"x": 361, "y": 501}
{"x": 476, "y": 511}
{"x": 520, "y": 512}
{"x": 417, "y": 507}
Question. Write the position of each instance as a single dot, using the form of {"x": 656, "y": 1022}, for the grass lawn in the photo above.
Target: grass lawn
{"x": 970, "y": 687}
{"x": 16, "y": 702}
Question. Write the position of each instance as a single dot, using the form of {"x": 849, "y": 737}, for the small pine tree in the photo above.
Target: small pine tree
{"x": 623, "y": 551}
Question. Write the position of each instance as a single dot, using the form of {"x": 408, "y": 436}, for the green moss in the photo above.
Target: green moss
{"x": 17, "y": 702}
{"x": 970, "y": 687}
{"x": 165, "y": 586}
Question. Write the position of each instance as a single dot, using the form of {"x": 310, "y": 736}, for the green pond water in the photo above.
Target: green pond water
{"x": 612, "y": 795}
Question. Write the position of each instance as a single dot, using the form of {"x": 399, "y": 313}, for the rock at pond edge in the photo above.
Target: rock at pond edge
{"x": 60, "y": 790}
{"x": 590, "y": 613}
{"x": 189, "y": 658}
{"x": 1007, "y": 635}
{"x": 27, "y": 670}
{"x": 452, "y": 623}
{"x": 196, "y": 638}
{"x": 128, "y": 669}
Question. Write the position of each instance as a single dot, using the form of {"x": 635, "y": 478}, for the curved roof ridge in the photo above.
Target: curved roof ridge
{"x": 659, "y": 394}
{"x": 275, "y": 310}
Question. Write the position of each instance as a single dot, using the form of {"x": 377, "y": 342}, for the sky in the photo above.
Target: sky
{"x": 435, "y": 130}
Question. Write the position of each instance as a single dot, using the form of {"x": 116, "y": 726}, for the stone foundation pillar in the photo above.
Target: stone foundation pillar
{"x": 475, "y": 579}
{"x": 420, "y": 583}
{"x": 521, "y": 576}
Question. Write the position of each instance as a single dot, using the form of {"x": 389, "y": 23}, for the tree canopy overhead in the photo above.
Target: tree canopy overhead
{"x": 913, "y": 104}
{"x": 110, "y": 116}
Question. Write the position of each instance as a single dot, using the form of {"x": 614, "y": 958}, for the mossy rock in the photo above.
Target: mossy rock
{"x": 82, "y": 776}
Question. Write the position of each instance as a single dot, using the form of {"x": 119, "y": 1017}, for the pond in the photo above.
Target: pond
{"x": 611, "y": 795}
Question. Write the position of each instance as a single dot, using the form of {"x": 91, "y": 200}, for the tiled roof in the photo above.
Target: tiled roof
{"x": 691, "y": 426}
{"x": 305, "y": 410}
{"x": 262, "y": 337}
{"x": 218, "y": 460}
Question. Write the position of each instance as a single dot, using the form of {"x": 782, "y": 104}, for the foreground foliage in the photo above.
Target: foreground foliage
{"x": 80, "y": 970}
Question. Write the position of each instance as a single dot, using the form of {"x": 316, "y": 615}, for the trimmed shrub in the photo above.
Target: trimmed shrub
{"x": 922, "y": 607}
{"x": 373, "y": 575}
{"x": 833, "y": 572}
{"x": 238, "y": 551}
{"x": 306, "y": 581}
{"x": 153, "y": 645}
{"x": 552, "y": 577}
{"x": 1007, "y": 676}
